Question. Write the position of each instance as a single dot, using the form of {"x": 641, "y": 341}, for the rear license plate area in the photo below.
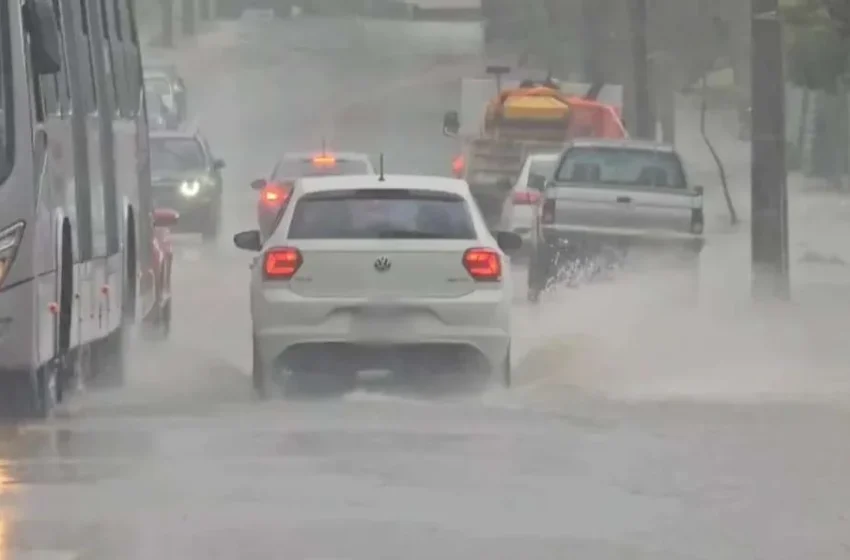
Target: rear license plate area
{"x": 380, "y": 321}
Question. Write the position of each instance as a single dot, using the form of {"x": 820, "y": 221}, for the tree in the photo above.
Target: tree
{"x": 818, "y": 55}
{"x": 838, "y": 12}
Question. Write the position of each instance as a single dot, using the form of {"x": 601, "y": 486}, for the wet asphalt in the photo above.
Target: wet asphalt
{"x": 183, "y": 463}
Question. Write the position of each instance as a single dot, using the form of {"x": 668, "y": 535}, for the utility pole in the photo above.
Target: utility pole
{"x": 593, "y": 42}
{"x": 769, "y": 220}
{"x": 188, "y": 18}
{"x": 167, "y": 22}
{"x": 644, "y": 118}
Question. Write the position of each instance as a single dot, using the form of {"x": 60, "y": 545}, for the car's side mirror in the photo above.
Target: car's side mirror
{"x": 165, "y": 217}
{"x": 451, "y": 123}
{"x": 219, "y": 164}
{"x": 248, "y": 240}
{"x": 258, "y": 184}
{"x": 508, "y": 241}
{"x": 536, "y": 182}
{"x": 699, "y": 190}
{"x": 40, "y": 23}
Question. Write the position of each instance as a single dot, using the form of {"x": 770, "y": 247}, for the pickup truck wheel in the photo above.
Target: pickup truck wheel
{"x": 538, "y": 274}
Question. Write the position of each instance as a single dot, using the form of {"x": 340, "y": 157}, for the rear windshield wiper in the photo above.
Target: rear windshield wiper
{"x": 411, "y": 234}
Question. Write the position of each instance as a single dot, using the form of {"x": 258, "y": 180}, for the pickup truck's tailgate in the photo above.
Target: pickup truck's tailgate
{"x": 661, "y": 210}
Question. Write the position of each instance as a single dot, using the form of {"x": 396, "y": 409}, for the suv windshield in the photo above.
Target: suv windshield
{"x": 381, "y": 214}
{"x": 170, "y": 155}
{"x": 6, "y": 109}
{"x": 622, "y": 166}
{"x": 293, "y": 168}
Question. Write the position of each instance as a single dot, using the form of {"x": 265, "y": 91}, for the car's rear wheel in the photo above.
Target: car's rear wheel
{"x": 538, "y": 274}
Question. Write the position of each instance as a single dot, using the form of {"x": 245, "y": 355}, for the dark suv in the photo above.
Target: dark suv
{"x": 187, "y": 177}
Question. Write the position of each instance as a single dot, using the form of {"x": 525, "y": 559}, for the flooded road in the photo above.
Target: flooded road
{"x": 183, "y": 463}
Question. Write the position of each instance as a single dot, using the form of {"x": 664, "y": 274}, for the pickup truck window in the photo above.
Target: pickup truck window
{"x": 619, "y": 167}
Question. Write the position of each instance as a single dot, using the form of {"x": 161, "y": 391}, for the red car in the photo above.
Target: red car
{"x": 158, "y": 321}
{"x": 274, "y": 192}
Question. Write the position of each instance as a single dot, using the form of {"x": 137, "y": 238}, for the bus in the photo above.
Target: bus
{"x": 75, "y": 197}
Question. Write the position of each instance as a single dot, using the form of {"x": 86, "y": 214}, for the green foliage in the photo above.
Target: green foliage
{"x": 817, "y": 58}
{"x": 818, "y": 53}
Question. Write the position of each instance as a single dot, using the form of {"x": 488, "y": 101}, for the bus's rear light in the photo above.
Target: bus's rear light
{"x": 281, "y": 263}
{"x": 526, "y": 198}
{"x": 547, "y": 211}
{"x": 10, "y": 240}
{"x": 484, "y": 265}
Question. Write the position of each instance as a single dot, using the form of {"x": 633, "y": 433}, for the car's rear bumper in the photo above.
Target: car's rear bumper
{"x": 480, "y": 322}
{"x": 557, "y": 235}
{"x": 278, "y": 346}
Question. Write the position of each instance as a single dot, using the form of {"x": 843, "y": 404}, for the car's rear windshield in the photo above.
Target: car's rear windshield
{"x": 621, "y": 166}
{"x": 381, "y": 214}
{"x": 307, "y": 167}
{"x": 542, "y": 168}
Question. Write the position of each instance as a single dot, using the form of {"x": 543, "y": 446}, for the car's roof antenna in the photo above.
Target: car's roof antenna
{"x": 381, "y": 168}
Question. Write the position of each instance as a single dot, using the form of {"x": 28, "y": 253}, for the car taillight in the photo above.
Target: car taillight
{"x": 526, "y": 198}
{"x": 281, "y": 263}
{"x": 484, "y": 265}
{"x": 547, "y": 212}
{"x": 274, "y": 195}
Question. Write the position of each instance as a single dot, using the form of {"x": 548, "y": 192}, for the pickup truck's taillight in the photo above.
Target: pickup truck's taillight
{"x": 547, "y": 211}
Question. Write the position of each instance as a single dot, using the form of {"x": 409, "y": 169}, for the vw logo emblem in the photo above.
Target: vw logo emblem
{"x": 382, "y": 264}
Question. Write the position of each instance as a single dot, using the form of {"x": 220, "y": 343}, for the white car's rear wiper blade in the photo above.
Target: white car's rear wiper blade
{"x": 410, "y": 234}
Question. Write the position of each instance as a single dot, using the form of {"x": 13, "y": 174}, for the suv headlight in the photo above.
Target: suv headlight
{"x": 10, "y": 240}
{"x": 190, "y": 188}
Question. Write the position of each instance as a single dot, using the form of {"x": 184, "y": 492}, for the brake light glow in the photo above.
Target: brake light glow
{"x": 526, "y": 198}
{"x": 547, "y": 212}
{"x": 281, "y": 263}
{"x": 274, "y": 194}
{"x": 484, "y": 265}
{"x": 324, "y": 161}
{"x": 458, "y": 166}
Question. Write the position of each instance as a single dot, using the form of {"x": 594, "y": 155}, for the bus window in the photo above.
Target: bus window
{"x": 6, "y": 110}
{"x": 88, "y": 60}
{"x": 109, "y": 59}
{"x": 132, "y": 66}
{"x": 63, "y": 86}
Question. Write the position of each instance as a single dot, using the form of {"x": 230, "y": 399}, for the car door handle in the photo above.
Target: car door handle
{"x": 624, "y": 199}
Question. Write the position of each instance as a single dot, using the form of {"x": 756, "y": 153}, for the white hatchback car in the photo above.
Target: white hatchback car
{"x": 395, "y": 273}
{"x": 526, "y": 191}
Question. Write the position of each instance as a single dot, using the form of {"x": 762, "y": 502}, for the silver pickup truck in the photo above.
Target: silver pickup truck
{"x": 618, "y": 194}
